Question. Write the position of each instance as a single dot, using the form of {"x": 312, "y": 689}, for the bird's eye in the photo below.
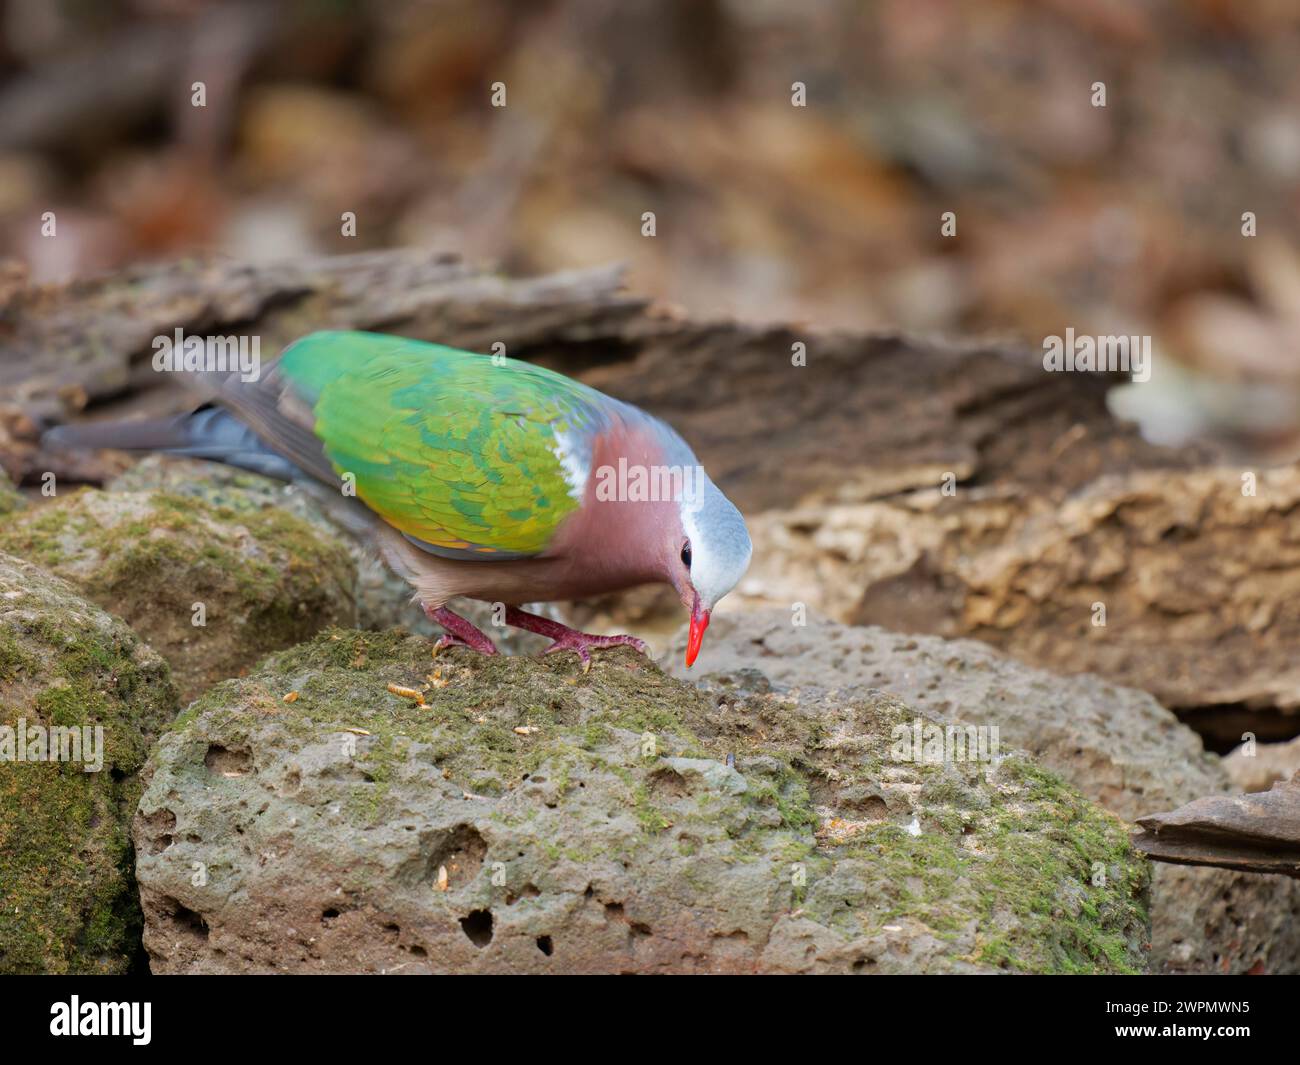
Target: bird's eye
{"x": 686, "y": 554}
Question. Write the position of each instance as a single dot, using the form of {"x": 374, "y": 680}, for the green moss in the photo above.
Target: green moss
{"x": 648, "y": 815}
{"x": 64, "y": 704}
{"x": 266, "y": 578}
{"x": 1039, "y": 849}
{"x": 38, "y": 534}
{"x": 1029, "y": 846}
{"x": 13, "y": 659}
{"x": 66, "y": 885}
{"x": 788, "y": 794}
{"x": 349, "y": 671}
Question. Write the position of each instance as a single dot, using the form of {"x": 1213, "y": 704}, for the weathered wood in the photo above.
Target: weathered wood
{"x": 1257, "y": 833}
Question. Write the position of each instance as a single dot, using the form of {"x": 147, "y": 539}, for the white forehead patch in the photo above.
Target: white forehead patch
{"x": 720, "y": 545}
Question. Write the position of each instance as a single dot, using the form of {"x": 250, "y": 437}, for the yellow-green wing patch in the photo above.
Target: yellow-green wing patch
{"x": 451, "y": 448}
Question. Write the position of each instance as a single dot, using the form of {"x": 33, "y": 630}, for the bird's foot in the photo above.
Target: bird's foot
{"x": 460, "y": 633}
{"x": 584, "y": 643}
{"x": 448, "y": 640}
{"x": 567, "y": 639}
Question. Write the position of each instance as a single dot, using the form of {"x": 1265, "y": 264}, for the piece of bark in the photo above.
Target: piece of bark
{"x": 873, "y": 415}
{"x": 1257, "y": 833}
{"x": 1182, "y": 562}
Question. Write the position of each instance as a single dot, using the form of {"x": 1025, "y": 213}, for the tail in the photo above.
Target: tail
{"x": 210, "y": 433}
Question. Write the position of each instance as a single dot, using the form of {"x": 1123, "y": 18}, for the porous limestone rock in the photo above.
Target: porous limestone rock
{"x": 1117, "y": 745}
{"x": 357, "y": 806}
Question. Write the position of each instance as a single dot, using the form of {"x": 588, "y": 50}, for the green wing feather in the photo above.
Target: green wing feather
{"x": 460, "y": 451}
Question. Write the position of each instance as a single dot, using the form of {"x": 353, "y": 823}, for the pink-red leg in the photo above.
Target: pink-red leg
{"x": 460, "y": 633}
{"x": 567, "y": 639}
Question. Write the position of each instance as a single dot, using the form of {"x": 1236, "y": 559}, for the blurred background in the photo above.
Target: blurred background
{"x": 1122, "y": 219}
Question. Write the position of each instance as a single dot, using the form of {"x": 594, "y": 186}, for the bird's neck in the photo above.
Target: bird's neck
{"x": 627, "y": 520}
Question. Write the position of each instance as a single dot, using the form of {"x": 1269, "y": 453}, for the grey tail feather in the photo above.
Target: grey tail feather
{"x": 210, "y": 433}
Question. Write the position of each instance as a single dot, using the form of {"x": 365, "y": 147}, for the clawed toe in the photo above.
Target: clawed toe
{"x": 584, "y": 656}
{"x": 629, "y": 641}
{"x": 582, "y": 643}
{"x": 448, "y": 640}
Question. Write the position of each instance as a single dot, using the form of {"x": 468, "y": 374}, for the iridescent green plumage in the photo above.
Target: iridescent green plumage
{"x": 465, "y": 452}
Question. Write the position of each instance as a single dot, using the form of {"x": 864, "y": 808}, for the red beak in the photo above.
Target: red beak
{"x": 699, "y": 622}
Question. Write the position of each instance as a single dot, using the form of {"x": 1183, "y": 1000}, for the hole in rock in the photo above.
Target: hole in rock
{"x": 187, "y": 920}
{"x": 528, "y": 891}
{"x": 159, "y": 825}
{"x": 460, "y": 849}
{"x": 668, "y": 783}
{"x": 225, "y": 762}
{"x": 478, "y": 927}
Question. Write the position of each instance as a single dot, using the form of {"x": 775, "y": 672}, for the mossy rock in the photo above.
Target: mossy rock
{"x": 1117, "y": 745}
{"x": 66, "y": 886}
{"x": 259, "y": 579}
{"x": 383, "y": 599}
{"x": 529, "y": 817}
